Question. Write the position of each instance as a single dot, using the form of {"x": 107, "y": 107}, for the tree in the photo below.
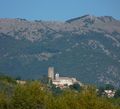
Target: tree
{"x": 75, "y": 86}
{"x": 18, "y": 78}
{"x": 44, "y": 79}
{"x": 109, "y": 87}
{"x": 56, "y": 90}
{"x": 117, "y": 93}
{"x": 100, "y": 91}
{"x": 3, "y": 101}
{"x": 29, "y": 96}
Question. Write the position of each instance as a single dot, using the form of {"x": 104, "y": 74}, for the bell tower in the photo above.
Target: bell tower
{"x": 51, "y": 73}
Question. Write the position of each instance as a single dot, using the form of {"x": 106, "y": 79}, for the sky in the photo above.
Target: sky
{"x": 59, "y": 10}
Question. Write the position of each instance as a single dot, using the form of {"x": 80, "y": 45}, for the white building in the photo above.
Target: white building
{"x": 64, "y": 81}
{"x": 110, "y": 93}
{"x": 21, "y": 82}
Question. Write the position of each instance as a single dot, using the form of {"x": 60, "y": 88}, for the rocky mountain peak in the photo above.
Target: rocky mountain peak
{"x": 82, "y": 18}
{"x": 107, "y": 19}
{"x": 91, "y": 18}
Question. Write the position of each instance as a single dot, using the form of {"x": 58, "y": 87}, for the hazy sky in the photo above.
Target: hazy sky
{"x": 58, "y": 9}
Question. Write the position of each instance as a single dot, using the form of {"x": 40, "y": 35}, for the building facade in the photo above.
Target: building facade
{"x": 60, "y": 81}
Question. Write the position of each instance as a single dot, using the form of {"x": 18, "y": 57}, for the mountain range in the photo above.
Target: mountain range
{"x": 86, "y": 47}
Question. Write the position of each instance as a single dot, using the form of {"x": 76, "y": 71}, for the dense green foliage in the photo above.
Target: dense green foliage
{"x": 35, "y": 95}
{"x": 7, "y": 79}
{"x": 117, "y": 94}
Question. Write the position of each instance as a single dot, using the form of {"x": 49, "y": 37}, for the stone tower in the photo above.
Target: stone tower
{"x": 51, "y": 73}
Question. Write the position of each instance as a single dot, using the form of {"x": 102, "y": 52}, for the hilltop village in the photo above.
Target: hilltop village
{"x": 61, "y": 82}
{"x": 66, "y": 82}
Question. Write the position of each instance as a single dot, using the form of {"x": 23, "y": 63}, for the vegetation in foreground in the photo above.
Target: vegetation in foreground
{"x": 36, "y": 95}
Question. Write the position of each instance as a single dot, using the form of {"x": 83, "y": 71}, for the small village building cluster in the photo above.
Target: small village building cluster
{"x": 110, "y": 93}
{"x": 61, "y": 82}
{"x": 21, "y": 82}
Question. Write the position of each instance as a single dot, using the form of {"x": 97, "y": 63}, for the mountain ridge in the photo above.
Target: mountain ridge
{"x": 87, "y": 48}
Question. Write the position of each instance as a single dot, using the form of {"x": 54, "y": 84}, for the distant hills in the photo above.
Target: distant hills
{"x": 86, "y": 47}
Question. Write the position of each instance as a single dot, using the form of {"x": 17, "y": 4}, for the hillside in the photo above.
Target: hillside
{"x": 86, "y": 47}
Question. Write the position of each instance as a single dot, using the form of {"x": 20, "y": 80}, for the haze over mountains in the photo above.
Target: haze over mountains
{"x": 86, "y": 47}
